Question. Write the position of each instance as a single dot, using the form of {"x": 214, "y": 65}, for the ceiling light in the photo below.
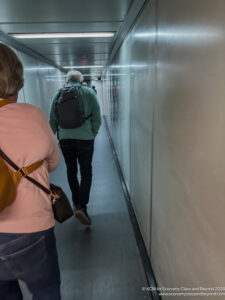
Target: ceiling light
{"x": 83, "y": 67}
{"x": 61, "y": 35}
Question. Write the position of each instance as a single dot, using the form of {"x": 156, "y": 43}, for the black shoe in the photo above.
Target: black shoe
{"x": 82, "y": 216}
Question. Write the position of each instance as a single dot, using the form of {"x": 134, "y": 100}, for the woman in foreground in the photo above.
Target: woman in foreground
{"x": 27, "y": 241}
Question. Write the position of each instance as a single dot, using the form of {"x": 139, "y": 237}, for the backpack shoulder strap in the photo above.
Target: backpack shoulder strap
{"x": 57, "y": 97}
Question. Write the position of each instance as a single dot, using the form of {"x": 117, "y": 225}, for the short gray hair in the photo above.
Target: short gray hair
{"x": 74, "y": 76}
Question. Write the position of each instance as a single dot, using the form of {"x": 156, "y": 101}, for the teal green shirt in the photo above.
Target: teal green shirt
{"x": 90, "y": 127}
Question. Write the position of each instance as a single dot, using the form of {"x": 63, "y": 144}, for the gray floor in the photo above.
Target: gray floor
{"x": 101, "y": 262}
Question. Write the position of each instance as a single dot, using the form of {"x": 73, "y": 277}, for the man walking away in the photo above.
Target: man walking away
{"x": 75, "y": 116}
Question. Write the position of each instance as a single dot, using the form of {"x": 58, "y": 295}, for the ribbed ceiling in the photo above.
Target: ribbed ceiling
{"x": 26, "y": 16}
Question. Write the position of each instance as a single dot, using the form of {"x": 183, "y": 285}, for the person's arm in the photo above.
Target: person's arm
{"x": 53, "y": 156}
{"x": 53, "y": 118}
{"x": 95, "y": 115}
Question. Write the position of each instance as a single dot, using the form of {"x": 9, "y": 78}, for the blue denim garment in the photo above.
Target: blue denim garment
{"x": 33, "y": 259}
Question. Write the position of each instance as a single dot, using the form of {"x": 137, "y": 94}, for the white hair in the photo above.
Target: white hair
{"x": 74, "y": 76}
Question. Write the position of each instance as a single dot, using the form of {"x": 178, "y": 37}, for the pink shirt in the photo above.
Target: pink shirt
{"x": 26, "y": 137}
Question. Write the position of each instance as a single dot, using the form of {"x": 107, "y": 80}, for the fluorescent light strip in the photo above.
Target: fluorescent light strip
{"x": 61, "y": 35}
{"x": 83, "y": 67}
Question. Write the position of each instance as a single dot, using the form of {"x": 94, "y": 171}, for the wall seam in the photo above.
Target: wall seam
{"x": 153, "y": 126}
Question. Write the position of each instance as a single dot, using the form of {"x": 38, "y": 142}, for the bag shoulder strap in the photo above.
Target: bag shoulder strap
{"x": 5, "y": 102}
{"x": 25, "y": 170}
{"x": 20, "y": 172}
{"x": 88, "y": 117}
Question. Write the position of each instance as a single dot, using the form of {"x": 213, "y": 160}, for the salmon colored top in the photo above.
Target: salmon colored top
{"x": 26, "y": 137}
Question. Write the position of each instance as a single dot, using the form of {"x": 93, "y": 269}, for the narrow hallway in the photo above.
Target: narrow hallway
{"x": 100, "y": 262}
{"x": 158, "y": 68}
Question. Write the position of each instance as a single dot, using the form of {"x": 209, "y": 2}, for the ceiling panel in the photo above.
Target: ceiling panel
{"x": 60, "y": 27}
{"x": 69, "y": 41}
{"x": 76, "y": 48}
{"x": 82, "y": 59}
{"x": 67, "y": 10}
{"x": 65, "y": 56}
{"x": 29, "y": 16}
{"x": 74, "y": 62}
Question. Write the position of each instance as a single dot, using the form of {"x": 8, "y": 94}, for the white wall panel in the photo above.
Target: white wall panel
{"x": 116, "y": 100}
{"x": 44, "y": 85}
{"x": 117, "y": 104}
{"x": 176, "y": 98}
{"x": 124, "y": 76}
{"x": 106, "y": 111}
{"x": 31, "y": 83}
{"x": 188, "y": 219}
{"x": 50, "y": 80}
{"x": 142, "y": 105}
{"x": 98, "y": 85}
{"x": 41, "y": 81}
{"x": 21, "y": 96}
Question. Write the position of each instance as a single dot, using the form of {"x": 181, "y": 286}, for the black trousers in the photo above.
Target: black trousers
{"x": 78, "y": 152}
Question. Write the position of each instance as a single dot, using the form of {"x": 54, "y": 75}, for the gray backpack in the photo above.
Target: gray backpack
{"x": 69, "y": 108}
